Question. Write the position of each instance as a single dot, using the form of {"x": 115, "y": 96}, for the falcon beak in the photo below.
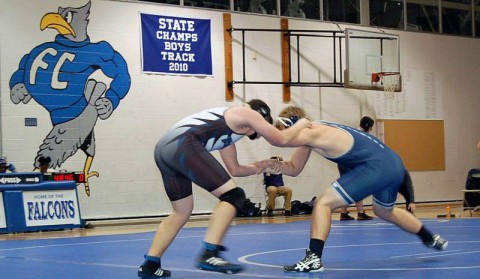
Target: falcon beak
{"x": 56, "y": 21}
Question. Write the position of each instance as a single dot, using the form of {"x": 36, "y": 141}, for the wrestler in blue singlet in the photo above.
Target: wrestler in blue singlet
{"x": 183, "y": 154}
{"x": 371, "y": 168}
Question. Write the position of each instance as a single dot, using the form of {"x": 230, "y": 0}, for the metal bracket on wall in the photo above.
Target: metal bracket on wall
{"x": 286, "y": 47}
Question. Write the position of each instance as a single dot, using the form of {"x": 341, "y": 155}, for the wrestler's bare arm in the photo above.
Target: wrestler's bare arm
{"x": 242, "y": 119}
{"x": 288, "y": 136}
{"x": 229, "y": 157}
{"x": 295, "y": 165}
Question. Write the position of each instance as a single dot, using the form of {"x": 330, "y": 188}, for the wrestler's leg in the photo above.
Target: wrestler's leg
{"x": 411, "y": 224}
{"x": 166, "y": 232}
{"x": 222, "y": 216}
{"x": 232, "y": 198}
{"x": 168, "y": 228}
{"x": 320, "y": 225}
{"x": 399, "y": 217}
{"x": 325, "y": 203}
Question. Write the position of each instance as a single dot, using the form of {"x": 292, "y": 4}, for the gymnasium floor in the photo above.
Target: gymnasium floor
{"x": 355, "y": 249}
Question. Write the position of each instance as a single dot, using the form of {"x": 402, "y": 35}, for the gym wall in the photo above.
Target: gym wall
{"x": 129, "y": 184}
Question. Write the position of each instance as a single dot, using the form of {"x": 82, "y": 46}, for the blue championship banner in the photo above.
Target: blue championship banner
{"x": 176, "y": 45}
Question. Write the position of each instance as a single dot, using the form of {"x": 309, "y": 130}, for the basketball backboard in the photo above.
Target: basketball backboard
{"x": 369, "y": 54}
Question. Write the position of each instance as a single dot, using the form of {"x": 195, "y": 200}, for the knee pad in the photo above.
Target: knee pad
{"x": 235, "y": 197}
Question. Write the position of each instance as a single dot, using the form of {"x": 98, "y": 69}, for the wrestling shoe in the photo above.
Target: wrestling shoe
{"x": 437, "y": 242}
{"x": 346, "y": 217}
{"x": 311, "y": 263}
{"x": 218, "y": 264}
{"x": 144, "y": 272}
{"x": 363, "y": 217}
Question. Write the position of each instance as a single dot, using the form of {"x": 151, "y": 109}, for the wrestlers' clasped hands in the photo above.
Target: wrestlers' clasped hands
{"x": 269, "y": 165}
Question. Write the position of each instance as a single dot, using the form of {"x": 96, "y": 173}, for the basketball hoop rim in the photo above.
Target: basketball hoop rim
{"x": 378, "y": 76}
{"x": 387, "y": 73}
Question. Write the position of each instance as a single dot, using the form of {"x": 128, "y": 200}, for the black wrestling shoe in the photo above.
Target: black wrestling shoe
{"x": 363, "y": 217}
{"x": 146, "y": 273}
{"x": 217, "y": 264}
{"x": 437, "y": 242}
{"x": 311, "y": 263}
{"x": 346, "y": 217}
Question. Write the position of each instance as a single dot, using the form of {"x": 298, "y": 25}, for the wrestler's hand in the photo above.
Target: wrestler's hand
{"x": 276, "y": 168}
{"x": 304, "y": 122}
{"x": 262, "y": 165}
{"x": 268, "y": 165}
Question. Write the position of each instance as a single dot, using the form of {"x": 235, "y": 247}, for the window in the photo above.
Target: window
{"x": 300, "y": 8}
{"x": 423, "y": 16}
{"x": 457, "y": 17}
{"x": 217, "y": 4}
{"x": 386, "y": 13}
{"x": 257, "y": 6}
{"x": 341, "y": 10}
{"x": 173, "y": 2}
{"x": 477, "y": 21}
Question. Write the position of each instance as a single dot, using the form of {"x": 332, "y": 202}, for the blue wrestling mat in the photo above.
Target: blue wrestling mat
{"x": 367, "y": 249}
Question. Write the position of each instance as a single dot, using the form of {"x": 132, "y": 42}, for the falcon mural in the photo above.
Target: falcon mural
{"x": 62, "y": 76}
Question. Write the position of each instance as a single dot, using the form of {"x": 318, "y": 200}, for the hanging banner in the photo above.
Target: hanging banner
{"x": 176, "y": 45}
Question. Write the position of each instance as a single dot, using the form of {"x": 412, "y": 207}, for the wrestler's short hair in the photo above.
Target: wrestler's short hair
{"x": 292, "y": 111}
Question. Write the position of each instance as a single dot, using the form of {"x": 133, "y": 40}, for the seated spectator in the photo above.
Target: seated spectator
{"x": 275, "y": 187}
{"x": 4, "y": 165}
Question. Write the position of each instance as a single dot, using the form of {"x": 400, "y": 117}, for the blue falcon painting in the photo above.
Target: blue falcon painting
{"x": 59, "y": 76}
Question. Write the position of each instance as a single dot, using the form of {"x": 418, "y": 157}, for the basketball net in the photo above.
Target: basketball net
{"x": 391, "y": 82}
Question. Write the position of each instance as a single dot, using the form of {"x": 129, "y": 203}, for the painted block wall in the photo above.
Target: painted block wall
{"x": 130, "y": 185}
